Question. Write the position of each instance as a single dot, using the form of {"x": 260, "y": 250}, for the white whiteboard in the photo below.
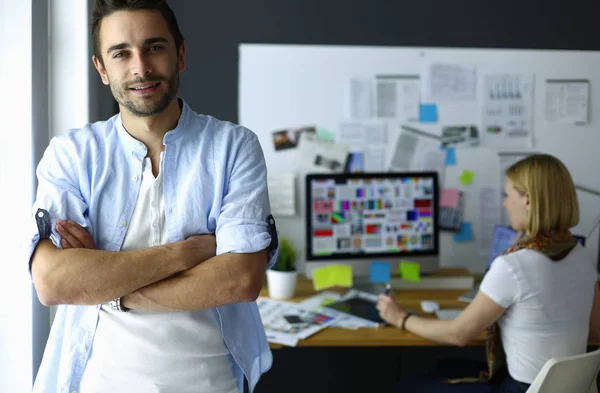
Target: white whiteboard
{"x": 284, "y": 86}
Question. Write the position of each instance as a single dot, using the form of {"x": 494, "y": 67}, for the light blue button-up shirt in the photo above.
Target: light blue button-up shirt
{"x": 214, "y": 182}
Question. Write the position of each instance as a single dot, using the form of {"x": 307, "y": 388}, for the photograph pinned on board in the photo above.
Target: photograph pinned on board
{"x": 316, "y": 155}
{"x": 288, "y": 139}
{"x": 329, "y": 163}
{"x": 460, "y": 136}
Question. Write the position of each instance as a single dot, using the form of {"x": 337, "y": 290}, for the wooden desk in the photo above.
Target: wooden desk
{"x": 339, "y": 360}
{"x": 377, "y": 337}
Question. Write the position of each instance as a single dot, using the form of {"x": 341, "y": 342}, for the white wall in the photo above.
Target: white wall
{"x": 70, "y": 73}
{"x": 16, "y": 354}
{"x": 69, "y": 64}
{"x": 284, "y": 86}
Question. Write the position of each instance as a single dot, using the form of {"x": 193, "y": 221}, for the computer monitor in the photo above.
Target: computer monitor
{"x": 355, "y": 218}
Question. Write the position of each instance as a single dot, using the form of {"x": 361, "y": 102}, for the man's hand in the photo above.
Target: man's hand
{"x": 199, "y": 248}
{"x": 74, "y": 235}
{"x": 389, "y": 310}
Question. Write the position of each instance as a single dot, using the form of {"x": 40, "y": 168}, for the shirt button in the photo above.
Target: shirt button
{"x": 123, "y": 223}
{"x": 154, "y": 224}
{"x": 135, "y": 178}
{"x": 83, "y": 350}
{"x": 142, "y": 146}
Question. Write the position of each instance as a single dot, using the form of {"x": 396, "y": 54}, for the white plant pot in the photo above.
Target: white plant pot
{"x": 281, "y": 285}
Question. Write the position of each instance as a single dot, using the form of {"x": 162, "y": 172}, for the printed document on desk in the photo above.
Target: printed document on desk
{"x": 343, "y": 320}
{"x": 277, "y": 328}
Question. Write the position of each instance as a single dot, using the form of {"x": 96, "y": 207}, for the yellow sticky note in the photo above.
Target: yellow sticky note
{"x": 410, "y": 271}
{"x": 467, "y": 177}
{"x": 322, "y": 278}
{"x": 343, "y": 275}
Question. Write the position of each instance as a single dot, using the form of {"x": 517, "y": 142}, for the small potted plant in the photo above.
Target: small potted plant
{"x": 281, "y": 278}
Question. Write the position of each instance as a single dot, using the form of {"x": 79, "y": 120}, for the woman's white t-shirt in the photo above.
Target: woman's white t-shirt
{"x": 548, "y": 306}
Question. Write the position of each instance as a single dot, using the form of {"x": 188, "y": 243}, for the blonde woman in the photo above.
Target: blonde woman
{"x": 538, "y": 294}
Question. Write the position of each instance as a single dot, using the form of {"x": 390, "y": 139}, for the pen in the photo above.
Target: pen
{"x": 388, "y": 289}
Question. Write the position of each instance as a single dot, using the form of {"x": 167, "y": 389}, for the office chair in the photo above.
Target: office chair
{"x": 573, "y": 374}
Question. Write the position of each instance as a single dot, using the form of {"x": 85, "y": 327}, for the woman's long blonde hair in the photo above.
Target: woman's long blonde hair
{"x": 552, "y": 198}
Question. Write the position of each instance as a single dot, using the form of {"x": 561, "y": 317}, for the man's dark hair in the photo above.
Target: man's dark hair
{"x": 104, "y": 8}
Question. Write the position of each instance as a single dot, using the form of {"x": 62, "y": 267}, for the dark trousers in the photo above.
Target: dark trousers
{"x": 434, "y": 380}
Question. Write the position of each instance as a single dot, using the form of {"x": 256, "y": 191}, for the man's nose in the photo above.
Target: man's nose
{"x": 141, "y": 66}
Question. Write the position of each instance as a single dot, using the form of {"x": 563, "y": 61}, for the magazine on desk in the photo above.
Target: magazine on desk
{"x": 280, "y": 331}
{"x": 343, "y": 320}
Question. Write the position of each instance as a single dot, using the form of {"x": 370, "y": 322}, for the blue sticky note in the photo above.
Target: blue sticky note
{"x": 465, "y": 234}
{"x": 450, "y": 156}
{"x": 428, "y": 113}
{"x": 380, "y": 272}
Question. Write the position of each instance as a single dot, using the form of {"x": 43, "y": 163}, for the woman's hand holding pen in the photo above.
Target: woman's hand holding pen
{"x": 390, "y": 311}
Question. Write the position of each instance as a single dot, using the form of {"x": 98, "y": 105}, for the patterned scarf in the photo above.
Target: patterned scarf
{"x": 556, "y": 245}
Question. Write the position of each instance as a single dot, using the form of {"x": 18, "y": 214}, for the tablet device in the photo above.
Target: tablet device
{"x": 358, "y": 307}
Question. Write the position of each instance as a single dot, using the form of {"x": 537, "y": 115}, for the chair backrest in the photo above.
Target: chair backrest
{"x": 573, "y": 374}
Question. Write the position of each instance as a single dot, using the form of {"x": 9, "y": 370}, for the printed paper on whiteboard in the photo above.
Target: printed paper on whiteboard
{"x": 508, "y": 111}
{"x": 449, "y": 82}
{"x": 316, "y": 155}
{"x": 567, "y": 101}
{"x": 366, "y": 141}
{"x": 398, "y": 97}
{"x": 359, "y": 98}
{"x": 282, "y": 193}
{"x": 490, "y": 215}
{"x": 418, "y": 150}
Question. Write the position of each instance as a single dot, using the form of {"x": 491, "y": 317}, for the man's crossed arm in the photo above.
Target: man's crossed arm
{"x": 180, "y": 276}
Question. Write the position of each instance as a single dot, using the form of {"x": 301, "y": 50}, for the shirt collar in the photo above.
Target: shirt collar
{"x": 138, "y": 147}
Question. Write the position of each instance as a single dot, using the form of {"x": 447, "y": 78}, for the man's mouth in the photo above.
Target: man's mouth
{"x": 145, "y": 87}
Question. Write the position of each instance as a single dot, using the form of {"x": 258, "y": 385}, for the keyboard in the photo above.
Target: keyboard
{"x": 448, "y": 313}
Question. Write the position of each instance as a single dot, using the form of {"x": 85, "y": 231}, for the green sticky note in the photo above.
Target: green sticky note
{"x": 343, "y": 275}
{"x": 410, "y": 271}
{"x": 467, "y": 177}
{"x": 325, "y": 135}
{"x": 322, "y": 278}
{"x": 327, "y": 301}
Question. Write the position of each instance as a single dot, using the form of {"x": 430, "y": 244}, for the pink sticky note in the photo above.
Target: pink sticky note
{"x": 449, "y": 198}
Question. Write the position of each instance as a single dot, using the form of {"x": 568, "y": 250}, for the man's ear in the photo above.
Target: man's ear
{"x": 101, "y": 70}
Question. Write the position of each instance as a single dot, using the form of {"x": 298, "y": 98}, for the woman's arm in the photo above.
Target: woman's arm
{"x": 480, "y": 314}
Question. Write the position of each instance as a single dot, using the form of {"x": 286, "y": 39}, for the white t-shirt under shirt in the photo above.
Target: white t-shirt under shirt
{"x": 548, "y": 306}
{"x": 156, "y": 352}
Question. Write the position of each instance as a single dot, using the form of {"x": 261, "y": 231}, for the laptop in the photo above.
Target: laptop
{"x": 502, "y": 238}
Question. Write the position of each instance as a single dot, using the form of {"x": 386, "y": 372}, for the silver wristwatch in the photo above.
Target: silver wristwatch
{"x": 116, "y": 305}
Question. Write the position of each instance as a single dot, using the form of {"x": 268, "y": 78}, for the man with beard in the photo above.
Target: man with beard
{"x": 152, "y": 230}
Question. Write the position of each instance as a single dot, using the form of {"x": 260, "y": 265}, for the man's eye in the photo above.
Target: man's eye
{"x": 155, "y": 48}
{"x": 118, "y": 54}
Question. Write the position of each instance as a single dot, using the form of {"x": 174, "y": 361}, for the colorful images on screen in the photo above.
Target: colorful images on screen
{"x": 372, "y": 215}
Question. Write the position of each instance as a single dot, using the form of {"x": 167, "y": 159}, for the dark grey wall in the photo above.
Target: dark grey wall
{"x": 214, "y": 29}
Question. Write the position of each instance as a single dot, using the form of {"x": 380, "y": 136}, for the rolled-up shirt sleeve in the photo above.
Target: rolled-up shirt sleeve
{"x": 58, "y": 194}
{"x": 242, "y": 226}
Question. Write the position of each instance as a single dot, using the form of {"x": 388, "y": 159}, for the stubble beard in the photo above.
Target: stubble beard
{"x": 151, "y": 106}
